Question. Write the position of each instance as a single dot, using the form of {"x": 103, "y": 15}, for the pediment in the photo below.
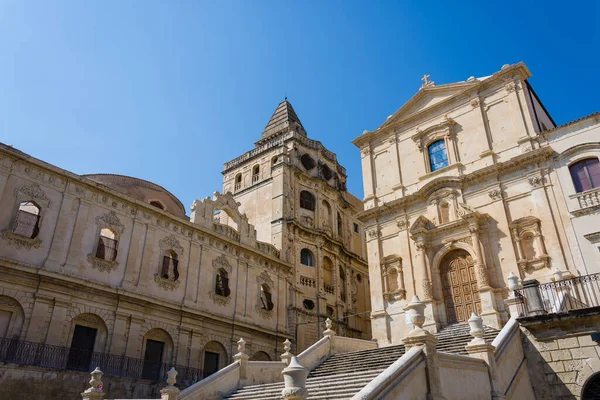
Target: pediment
{"x": 428, "y": 97}
{"x": 421, "y": 224}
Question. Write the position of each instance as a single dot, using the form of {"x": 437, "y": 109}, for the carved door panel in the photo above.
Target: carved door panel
{"x": 459, "y": 287}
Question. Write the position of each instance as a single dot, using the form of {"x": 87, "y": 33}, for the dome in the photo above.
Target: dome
{"x": 142, "y": 190}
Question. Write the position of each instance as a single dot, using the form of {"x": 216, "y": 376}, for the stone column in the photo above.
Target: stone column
{"x": 183, "y": 346}
{"x": 479, "y": 348}
{"x": 132, "y": 338}
{"x": 423, "y": 274}
{"x": 94, "y": 392}
{"x": 196, "y": 350}
{"x": 55, "y": 329}
{"x": 170, "y": 392}
{"x": 294, "y": 378}
{"x": 420, "y": 337}
{"x": 119, "y": 338}
{"x": 480, "y": 268}
{"x": 38, "y": 317}
{"x": 533, "y": 298}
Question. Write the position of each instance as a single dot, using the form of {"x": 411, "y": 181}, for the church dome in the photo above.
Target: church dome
{"x": 142, "y": 190}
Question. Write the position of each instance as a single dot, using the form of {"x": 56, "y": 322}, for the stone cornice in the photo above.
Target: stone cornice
{"x": 421, "y": 195}
{"x": 89, "y": 191}
{"x": 389, "y": 126}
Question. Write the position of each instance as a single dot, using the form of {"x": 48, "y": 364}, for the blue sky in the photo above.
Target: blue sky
{"x": 170, "y": 90}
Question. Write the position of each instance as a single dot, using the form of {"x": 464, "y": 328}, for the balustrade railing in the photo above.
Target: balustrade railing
{"x": 14, "y": 351}
{"x": 559, "y": 296}
{"x": 328, "y": 288}
{"x": 588, "y": 198}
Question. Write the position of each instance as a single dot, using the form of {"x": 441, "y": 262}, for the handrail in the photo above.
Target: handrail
{"x": 389, "y": 377}
{"x": 504, "y": 336}
{"x": 217, "y": 376}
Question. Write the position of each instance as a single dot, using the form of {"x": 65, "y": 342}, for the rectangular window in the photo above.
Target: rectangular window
{"x": 438, "y": 157}
{"x": 355, "y": 227}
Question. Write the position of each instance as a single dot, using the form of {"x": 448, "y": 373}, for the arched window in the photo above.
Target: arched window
{"x": 274, "y": 160}
{"x": 266, "y": 298}
{"x": 255, "y": 173}
{"x": 306, "y": 257}
{"x": 307, "y": 162}
{"x": 157, "y": 204}
{"x": 438, "y": 156}
{"x": 107, "y": 245}
{"x": 238, "y": 182}
{"x": 330, "y": 311}
{"x": 169, "y": 266}
{"x": 339, "y": 224}
{"x": 326, "y": 172}
{"x": 585, "y": 174}
{"x": 342, "y": 283}
{"x": 307, "y": 200}
{"x": 27, "y": 220}
{"x": 222, "y": 283}
{"x": 326, "y": 214}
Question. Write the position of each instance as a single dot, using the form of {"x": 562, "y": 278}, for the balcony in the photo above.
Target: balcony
{"x": 20, "y": 352}
{"x": 587, "y": 201}
{"x": 558, "y": 297}
{"x": 328, "y": 288}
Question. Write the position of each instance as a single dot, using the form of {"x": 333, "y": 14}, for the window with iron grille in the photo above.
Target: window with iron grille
{"x": 307, "y": 200}
{"x": 27, "y": 220}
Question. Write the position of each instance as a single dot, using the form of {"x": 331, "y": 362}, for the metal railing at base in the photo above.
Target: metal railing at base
{"x": 14, "y": 351}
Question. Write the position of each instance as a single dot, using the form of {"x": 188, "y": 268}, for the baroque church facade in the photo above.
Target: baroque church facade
{"x": 457, "y": 197}
{"x": 109, "y": 269}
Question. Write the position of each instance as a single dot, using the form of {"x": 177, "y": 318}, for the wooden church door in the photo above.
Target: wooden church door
{"x": 459, "y": 286}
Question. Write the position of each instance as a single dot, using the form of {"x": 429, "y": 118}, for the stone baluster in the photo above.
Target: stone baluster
{"x": 420, "y": 337}
{"x": 95, "y": 391}
{"x": 294, "y": 378}
{"x": 285, "y": 357}
{"x": 480, "y": 268}
{"x": 242, "y": 357}
{"x": 170, "y": 392}
{"x": 478, "y": 347}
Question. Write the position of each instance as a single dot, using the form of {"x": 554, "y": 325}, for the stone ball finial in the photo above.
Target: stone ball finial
{"x": 365, "y": 132}
{"x": 96, "y": 378}
{"x": 416, "y": 310}
{"x": 287, "y": 345}
{"x": 241, "y": 346}
{"x": 513, "y": 281}
{"x": 476, "y": 325}
{"x": 171, "y": 376}
{"x": 505, "y": 66}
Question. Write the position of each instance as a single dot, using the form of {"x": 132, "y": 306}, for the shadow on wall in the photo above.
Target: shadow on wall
{"x": 563, "y": 368}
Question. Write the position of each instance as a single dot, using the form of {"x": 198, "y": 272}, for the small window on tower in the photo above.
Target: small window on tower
{"x": 157, "y": 204}
{"x": 355, "y": 227}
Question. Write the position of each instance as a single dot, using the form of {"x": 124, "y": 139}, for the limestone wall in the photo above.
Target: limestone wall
{"x": 559, "y": 368}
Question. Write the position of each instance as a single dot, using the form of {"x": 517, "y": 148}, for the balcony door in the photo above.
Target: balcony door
{"x": 153, "y": 359}
{"x": 82, "y": 348}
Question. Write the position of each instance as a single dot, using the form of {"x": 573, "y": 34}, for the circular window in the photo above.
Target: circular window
{"x": 308, "y": 304}
{"x": 307, "y": 161}
{"x": 327, "y": 174}
{"x": 591, "y": 390}
{"x": 330, "y": 311}
{"x": 359, "y": 277}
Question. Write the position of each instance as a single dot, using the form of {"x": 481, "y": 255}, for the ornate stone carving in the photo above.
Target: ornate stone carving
{"x": 218, "y": 299}
{"x": 20, "y": 242}
{"x": 475, "y": 102}
{"x": 403, "y": 224}
{"x": 265, "y": 279}
{"x": 171, "y": 242}
{"x": 33, "y": 192}
{"x": 495, "y": 194}
{"x": 373, "y": 233}
{"x": 101, "y": 264}
{"x": 166, "y": 284}
{"x": 221, "y": 262}
{"x": 483, "y": 276}
{"x": 110, "y": 220}
{"x": 427, "y": 289}
{"x": 536, "y": 181}
{"x": 510, "y": 87}
{"x": 420, "y": 246}
{"x": 90, "y": 319}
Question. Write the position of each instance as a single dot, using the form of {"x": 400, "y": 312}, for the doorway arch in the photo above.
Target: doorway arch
{"x": 460, "y": 290}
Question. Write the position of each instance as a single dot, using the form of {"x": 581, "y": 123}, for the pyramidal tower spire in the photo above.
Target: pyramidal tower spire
{"x": 283, "y": 119}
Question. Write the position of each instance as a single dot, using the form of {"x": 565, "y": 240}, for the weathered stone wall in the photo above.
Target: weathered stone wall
{"x": 559, "y": 368}
{"x": 32, "y": 383}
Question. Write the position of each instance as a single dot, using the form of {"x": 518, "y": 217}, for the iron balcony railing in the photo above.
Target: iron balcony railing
{"x": 558, "y": 297}
{"x": 14, "y": 351}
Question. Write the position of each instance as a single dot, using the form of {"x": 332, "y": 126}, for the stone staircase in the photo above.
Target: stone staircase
{"x": 341, "y": 376}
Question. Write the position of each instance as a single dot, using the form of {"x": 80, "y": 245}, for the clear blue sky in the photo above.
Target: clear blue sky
{"x": 170, "y": 90}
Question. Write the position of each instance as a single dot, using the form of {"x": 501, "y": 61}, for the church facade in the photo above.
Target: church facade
{"x": 459, "y": 195}
{"x": 109, "y": 269}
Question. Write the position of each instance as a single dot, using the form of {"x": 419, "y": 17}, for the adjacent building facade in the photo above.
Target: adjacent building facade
{"x": 109, "y": 270}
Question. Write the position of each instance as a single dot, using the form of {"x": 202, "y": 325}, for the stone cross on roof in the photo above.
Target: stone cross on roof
{"x": 426, "y": 81}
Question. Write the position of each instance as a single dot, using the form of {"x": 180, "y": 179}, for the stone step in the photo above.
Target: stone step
{"x": 316, "y": 380}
